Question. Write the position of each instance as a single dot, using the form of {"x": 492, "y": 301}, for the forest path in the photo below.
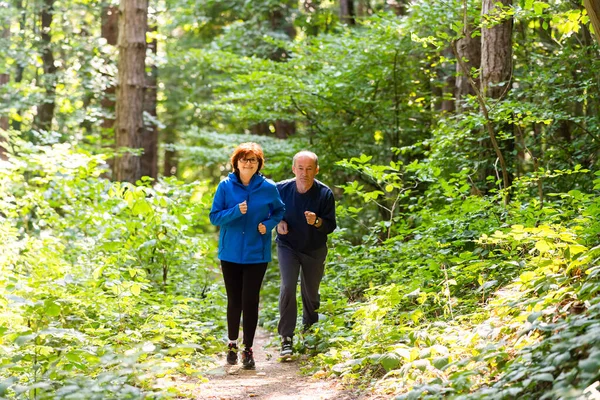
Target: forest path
{"x": 272, "y": 379}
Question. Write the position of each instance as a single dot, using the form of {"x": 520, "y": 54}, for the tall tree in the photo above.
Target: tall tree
{"x": 110, "y": 31}
{"x": 45, "y": 111}
{"x": 280, "y": 21}
{"x": 399, "y": 7}
{"x": 469, "y": 49}
{"x": 149, "y": 162}
{"x": 593, "y": 10}
{"x": 347, "y": 13}
{"x": 496, "y": 49}
{"x": 129, "y": 124}
{"x": 4, "y": 78}
{"x": 496, "y": 66}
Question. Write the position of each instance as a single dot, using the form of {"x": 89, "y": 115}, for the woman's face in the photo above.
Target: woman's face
{"x": 248, "y": 164}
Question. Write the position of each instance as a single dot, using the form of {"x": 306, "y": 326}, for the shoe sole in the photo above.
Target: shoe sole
{"x": 287, "y": 357}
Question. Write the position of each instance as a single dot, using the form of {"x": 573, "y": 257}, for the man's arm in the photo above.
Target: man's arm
{"x": 326, "y": 220}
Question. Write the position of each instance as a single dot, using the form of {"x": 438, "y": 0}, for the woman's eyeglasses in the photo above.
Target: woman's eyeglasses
{"x": 248, "y": 160}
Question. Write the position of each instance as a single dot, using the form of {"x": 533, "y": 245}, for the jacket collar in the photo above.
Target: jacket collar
{"x": 255, "y": 181}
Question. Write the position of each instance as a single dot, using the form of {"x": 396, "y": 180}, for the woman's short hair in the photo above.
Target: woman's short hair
{"x": 243, "y": 151}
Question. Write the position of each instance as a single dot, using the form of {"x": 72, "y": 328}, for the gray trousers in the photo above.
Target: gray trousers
{"x": 310, "y": 266}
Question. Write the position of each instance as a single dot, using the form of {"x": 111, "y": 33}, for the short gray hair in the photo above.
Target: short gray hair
{"x": 305, "y": 153}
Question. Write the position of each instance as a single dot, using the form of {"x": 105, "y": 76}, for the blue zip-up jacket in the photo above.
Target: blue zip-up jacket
{"x": 239, "y": 240}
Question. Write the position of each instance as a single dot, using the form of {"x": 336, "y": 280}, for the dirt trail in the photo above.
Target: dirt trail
{"x": 272, "y": 380}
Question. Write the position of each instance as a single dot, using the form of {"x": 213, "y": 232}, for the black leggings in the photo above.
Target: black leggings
{"x": 242, "y": 282}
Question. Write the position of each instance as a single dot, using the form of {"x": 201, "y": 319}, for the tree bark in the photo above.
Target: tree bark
{"x": 279, "y": 22}
{"x": 593, "y": 10}
{"x": 129, "y": 124}
{"x": 399, "y": 7}
{"x": 347, "y": 13}
{"x": 496, "y": 71}
{"x": 496, "y": 53}
{"x": 45, "y": 111}
{"x": 150, "y": 136}
{"x": 19, "y": 68}
{"x": 469, "y": 49}
{"x": 110, "y": 25}
{"x": 170, "y": 163}
{"x": 4, "y": 79}
{"x": 110, "y": 31}
{"x": 364, "y": 9}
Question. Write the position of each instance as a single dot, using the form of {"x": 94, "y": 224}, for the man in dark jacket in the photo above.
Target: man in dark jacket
{"x": 302, "y": 244}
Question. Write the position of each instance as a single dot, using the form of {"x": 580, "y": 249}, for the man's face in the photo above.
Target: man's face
{"x": 305, "y": 170}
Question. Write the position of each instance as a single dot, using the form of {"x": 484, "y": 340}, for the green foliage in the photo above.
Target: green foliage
{"x": 105, "y": 286}
{"x": 466, "y": 300}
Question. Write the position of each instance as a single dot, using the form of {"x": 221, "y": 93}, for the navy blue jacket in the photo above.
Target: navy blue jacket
{"x": 240, "y": 241}
{"x": 319, "y": 199}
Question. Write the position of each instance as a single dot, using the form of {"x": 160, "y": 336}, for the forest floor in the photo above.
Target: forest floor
{"x": 271, "y": 380}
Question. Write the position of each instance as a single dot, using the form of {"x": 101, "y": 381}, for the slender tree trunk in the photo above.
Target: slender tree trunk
{"x": 469, "y": 49}
{"x": 45, "y": 112}
{"x": 110, "y": 31}
{"x": 448, "y": 90}
{"x": 399, "y": 7}
{"x": 347, "y": 13}
{"x": 4, "y": 79}
{"x": 170, "y": 162}
{"x": 363, "y": 9}
{"x": 150, "y": 136}
{"x": 16, "y": 123}
{"x": 496, "y": 53}
{"x": 110, "y": 25}
{"x": 496, "y": 67}
{"x": 279, "y": 20}
{"x": 129, "y": 124}
{"x": 593, "y": 10}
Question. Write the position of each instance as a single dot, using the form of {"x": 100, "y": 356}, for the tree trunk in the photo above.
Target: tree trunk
{"x": 4, "y": 79}
{"x": 279, "y": 22}
{"x": 364, "y": 9}
{"x": 110, "y": 25}
{"x": 19, "y": 68}
{"x": 45, "y": 111}
{"x": 150, "y": 136}
{"x": 593, "y": 10}
{"x": 496, "y": 69}
{"x": 448, "y": 90}
{"x": 496, "y": 53}
{"x": 129, "y": 124}
{"x": 399, "y": 7}
{"x": 469, "y": 49}
{"x": 110, "y": 31}
{"x": 347, "y": 12}
{"x": 170, "y": 163}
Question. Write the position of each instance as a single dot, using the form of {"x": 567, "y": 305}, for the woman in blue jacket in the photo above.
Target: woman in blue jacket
{"x": 246, "y": 207}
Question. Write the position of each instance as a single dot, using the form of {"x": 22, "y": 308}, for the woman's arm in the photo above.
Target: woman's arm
{"x": 219, "y": 213}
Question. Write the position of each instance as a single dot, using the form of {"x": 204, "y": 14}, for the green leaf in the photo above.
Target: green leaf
{"x": 135, "y": 289}
{"x": 527, "y": 276}
{"x": 533, "y": 316}
{"x": 440, "y": 362}
{"x": 546, "y": 377}
{"x": 390, "y": 361}
{"x": 51, "y": 308}
{"x": 542, "y": 246}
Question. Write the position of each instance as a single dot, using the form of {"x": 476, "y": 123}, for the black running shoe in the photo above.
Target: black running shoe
{"x": 232, "y": 353}
{"x": 248, "y": 359}
{"x": 286, "y": 347}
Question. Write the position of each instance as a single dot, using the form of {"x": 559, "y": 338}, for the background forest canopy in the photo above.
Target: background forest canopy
{"x": 461, "y": 139}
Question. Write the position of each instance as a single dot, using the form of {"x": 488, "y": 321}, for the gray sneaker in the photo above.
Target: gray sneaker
{"x": 286, "y": 348}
